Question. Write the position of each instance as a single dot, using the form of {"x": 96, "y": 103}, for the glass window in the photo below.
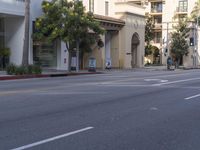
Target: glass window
{"x": 91, "y": 5}
{"x": 183, "y": 5}
{"x": 2, "y": 33}
{"x": 157, "y": 37}
{"x": 44, "y": 53}
{"x": 158, "y": 19}
{"x": 156, "y": 7}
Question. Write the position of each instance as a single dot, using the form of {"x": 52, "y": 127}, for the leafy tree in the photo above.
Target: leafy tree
{"x": 196, "y": 12}
{"x": 67, "y": 21}
{"x": 149, "y": 34}
{"x": 26, "y": 34}
{"x": 148, "y": 50}
{"x": 156, "y": 52}
{"x": 179, "y": 44}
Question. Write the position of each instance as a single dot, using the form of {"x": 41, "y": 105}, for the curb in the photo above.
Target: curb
{"x": 18, "y": 77}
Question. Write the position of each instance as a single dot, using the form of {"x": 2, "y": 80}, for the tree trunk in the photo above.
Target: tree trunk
{"x": 77, "y": 55}
{"x": 25, "y": 57}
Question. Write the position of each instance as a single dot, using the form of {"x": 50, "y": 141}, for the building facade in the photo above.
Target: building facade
{"x": 124, "y": 38}
{"x": 123, "y": 41}
{"x": 163, "y": 13}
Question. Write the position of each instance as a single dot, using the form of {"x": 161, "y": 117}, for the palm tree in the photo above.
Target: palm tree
{"x": 25, "y": 60}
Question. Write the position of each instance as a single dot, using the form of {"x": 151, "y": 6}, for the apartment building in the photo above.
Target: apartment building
{"x": 124, "y": 38}
{"x": 163, "y": 12}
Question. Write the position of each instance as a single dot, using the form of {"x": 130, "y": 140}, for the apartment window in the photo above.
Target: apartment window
{"x": 157, "y": 37}
{"x": 156, "y": 7}
{"x": 106, "y": 8}
{"x": 91, "y": 5}
{"x": 158, "y": 19}
{"x": 183, "y": 5}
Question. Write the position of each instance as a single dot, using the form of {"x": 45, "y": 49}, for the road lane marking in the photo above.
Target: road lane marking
{"x": 70, "y": 93}
{"x": 52, "y": 139}
{"x": 153, "y": 108}
{"x": 158, "y": 80}
{"x": 178, "y": 81}
{"x": 192, "y": 97}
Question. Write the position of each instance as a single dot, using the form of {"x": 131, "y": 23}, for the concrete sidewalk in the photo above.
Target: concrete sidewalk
{"x": 45, "y": 74}
{"x": 58, "y": 73}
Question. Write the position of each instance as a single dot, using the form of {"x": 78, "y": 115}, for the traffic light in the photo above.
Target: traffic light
{"x": 191, "y": 41}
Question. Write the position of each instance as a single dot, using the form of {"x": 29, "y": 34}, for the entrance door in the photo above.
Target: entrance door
{"x": 134, "y": 48}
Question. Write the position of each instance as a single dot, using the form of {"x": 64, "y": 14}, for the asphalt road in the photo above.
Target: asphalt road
{"x": 118, "y": 110}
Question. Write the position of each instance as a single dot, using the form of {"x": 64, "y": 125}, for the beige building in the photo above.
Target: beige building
{"x": 124, "y": 22}
{"x": 163, "y": 12}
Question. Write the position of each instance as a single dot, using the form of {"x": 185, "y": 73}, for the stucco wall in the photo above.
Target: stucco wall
{"x": 14, "y": 30}
{"x": 134, "y": 24}
{"x": 12, "y": 7}
{"x": 115, "y": 50}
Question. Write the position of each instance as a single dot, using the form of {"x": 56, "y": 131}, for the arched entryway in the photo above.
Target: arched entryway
{"x": 134, "y": 48}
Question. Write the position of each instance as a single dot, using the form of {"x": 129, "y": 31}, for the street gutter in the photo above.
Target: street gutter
{"x": 15, "y": 77}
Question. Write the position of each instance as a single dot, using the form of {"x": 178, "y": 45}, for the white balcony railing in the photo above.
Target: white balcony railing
{"x": 12, "y": 7}
{"x": 130, "y": 8}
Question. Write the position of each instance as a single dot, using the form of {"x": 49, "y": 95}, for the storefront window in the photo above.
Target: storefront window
{"x": 45, "y": 54}
{"x": 1, "y": 33}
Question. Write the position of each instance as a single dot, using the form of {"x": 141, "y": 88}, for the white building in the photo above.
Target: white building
{"x": 124, "y": 39}
{"x": 163, "y": 12}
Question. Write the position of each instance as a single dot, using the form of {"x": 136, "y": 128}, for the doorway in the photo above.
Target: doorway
{"x": 134, "y": 50}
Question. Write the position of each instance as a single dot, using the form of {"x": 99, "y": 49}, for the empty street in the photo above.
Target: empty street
{"x": 116, "y": 110}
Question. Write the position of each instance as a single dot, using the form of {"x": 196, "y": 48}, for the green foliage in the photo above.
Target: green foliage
{"x": 23, "y": 70}
{"x": 195, "y": 14}
{"x": 5, "y": 52}
{"x": 67, "y": 21}
{"x": 179, "y": 43}
{"x": 149, "y": 35}
{"x": 34, "y": 69}
{"x": 148, "y": 50}
{"x": 156, "y": 52}
{"x": 149, "y": 32}
{"x": 11, "y": 69}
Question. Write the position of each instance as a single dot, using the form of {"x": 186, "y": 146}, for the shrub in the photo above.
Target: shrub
{"x": 23, "y": 70}
{"x": 34, "y": 69}
{"x": 11, "y": 69}
{"x": 5, "y": 52}
{"x": 37, "y": 69}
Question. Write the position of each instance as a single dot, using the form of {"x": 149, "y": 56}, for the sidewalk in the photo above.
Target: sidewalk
{"x": 58, "y": 73}
{"x": 45, "y": 74}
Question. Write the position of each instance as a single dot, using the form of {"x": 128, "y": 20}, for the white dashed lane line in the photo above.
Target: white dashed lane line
{"x": 52, "y": 139}
{"x": 192, "y": 97}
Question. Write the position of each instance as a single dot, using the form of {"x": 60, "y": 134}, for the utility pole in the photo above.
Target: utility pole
{"x": 167, "y": 44}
